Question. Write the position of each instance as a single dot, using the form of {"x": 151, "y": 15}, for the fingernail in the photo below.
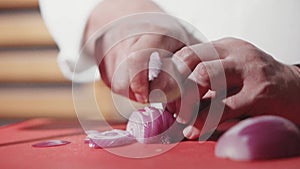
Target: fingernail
{"x": 187, "y": 132}
{"x": 191, "y": 132}
{"x": 181, "y": 67}
{"x": 141, "y": 98}
{"x": 181, "y": 120}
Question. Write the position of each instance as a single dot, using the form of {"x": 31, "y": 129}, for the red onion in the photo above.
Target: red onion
{"x": 148, "y": 125}
{"x": 110, "y": 138}
{"x": 263, "y": 137}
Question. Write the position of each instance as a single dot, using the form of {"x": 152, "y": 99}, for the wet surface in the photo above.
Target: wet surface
{"x": 51, "y": 143}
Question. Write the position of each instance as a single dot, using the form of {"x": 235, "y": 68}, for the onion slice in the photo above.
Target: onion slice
{"x": 258, "y": 138}
{"x": 111, "y": 138}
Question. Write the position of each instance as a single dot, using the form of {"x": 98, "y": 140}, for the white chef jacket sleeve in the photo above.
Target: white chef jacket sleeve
{"x": 66, "y": 21}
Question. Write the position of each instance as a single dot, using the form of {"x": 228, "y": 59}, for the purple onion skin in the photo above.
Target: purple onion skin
{"x": 155, "y": 126}
{"x": 260, "y": 138}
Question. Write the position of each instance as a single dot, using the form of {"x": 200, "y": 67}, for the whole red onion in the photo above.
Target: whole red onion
{"x": 257, "y": 138}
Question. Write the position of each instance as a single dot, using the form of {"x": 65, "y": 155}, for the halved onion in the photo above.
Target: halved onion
{"x": 148, "y": 125}
{"x": 258, "y": 138}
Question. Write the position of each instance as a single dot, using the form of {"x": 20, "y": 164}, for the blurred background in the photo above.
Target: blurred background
{"x": 31, "y": 84}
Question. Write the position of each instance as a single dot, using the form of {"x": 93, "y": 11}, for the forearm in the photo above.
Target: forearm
{"x": 109, "y": 10}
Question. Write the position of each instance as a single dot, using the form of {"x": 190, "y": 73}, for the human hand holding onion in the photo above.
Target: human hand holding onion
{"x": 124, "y": 68}
{"x": 123, "y": 49}
{"x": 250, "y": 76}
{"x": 256, "y": 85}
{"x": 125, "y": 35}
{"x": 261, "y": 84}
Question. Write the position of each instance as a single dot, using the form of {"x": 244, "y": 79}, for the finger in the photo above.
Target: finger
{"x": 217, "y": 75}
{"x": 138, "y": 61}
{"x": 219, "y": 111}
{"x": 168, "y": 80}
{"x": 191, "y": 132}
{"x": 189, "y": 57}
{"x": 241, "y": 101}
{"x": 185, "y": 60}
{"x": 114, "y": 71}
{"x": 171, "y": 107}
{"x": 188, "y": 106}
{"x": 207, "y": 120}
{"x": 138, "y": 75}
{"x": 119, "y": 81}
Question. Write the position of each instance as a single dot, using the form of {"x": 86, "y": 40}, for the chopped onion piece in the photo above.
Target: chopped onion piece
{"x": 110, "y": 138}
{"x": 258, "y": 138}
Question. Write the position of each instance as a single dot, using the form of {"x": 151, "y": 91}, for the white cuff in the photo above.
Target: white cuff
{"x": 66, "y": 21}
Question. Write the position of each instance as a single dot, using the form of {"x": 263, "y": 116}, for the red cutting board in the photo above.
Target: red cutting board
{"x": 16, "y": 151}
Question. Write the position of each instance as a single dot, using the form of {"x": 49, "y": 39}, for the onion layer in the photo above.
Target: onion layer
{"x": 149, "y": 125}
{"x": 110, "y": 138}
{"x": 258, "y": 138}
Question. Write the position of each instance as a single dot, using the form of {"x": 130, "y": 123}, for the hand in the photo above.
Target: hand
{"x": 256, "y": 83}
{"x": 125, "y": 67}
{"x": 124, "y": 50}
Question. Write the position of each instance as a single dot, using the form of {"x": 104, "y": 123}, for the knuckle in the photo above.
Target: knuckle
{"x": 184, "y": 55}
{"x": 202, "y": 71}
{"x": 263, "y": 72}
{"x": 201, "y": 74}
{"x": 185, "y": 52}
{"x": 232, "y": 41}
{"x": 268, "y": 88}
{"x": 232, "y": 103}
